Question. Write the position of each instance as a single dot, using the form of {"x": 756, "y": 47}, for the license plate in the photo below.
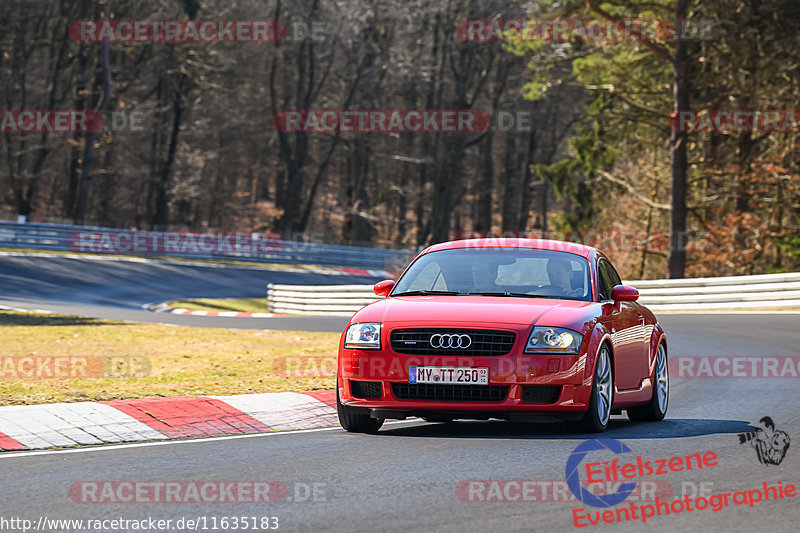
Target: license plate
{"x": 448, "y": 375}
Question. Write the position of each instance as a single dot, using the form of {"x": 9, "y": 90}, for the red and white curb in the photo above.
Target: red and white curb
{"x": 68, "y": 425}
{"x": 164, "y": 307}
{"x": 237, "y": 314}
{"x": 20, "y": 310}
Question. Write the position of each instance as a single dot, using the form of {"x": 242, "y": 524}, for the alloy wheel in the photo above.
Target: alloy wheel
{"x": 604, "y": 384}
{"x": 662, "y": 379}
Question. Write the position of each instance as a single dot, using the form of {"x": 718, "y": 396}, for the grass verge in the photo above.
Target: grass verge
{"x": 108, "y": 360}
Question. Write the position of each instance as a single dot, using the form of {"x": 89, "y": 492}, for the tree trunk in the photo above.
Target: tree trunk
{"x": 483, "y": 220}
{"x": 511, "y": 185}
{"x": 527, "y": 182}
{"x": 87, "y": 165}
{"x": 677, "y": 239}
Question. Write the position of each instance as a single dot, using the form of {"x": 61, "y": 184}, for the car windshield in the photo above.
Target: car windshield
{"x": 498, "y": 272}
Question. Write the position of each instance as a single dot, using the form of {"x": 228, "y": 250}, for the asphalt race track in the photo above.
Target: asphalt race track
{"x": 413, "y": 476}
{"x": 118, "y": 289}
{"x": 405, "y": 478}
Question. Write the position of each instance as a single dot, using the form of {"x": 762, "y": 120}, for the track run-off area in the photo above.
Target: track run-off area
{"x": 411, "y": 476}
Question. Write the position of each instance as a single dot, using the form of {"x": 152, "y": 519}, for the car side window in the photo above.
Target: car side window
{"x": 603, "y": 281}
{"x": 613, "y": 277}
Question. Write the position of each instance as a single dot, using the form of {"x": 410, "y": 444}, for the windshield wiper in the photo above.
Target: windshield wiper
{"x": 426, "y": 293}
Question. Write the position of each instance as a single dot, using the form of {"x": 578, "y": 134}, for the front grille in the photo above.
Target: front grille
{"x": 365, "y": 389}
{"x": 485, "y": 342}
{"x": 540, "y": 393}
{"x": 450, "y": 393}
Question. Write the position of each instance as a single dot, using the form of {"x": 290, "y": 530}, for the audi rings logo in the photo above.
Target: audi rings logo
{"x": 440, "y": 340}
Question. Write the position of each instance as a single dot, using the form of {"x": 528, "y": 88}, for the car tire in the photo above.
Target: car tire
{"x": 602, "y": 397}
{"x": 356, "y": 420}
{"x": 656, "y": 408}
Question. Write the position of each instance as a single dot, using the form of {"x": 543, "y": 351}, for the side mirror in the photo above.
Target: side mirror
{"x": 383, "y": 288}
{"x": 624, "y": 293}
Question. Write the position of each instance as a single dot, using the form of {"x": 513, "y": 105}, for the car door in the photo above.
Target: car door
{"x": 644, "y": 330}
{"x": 622, "y": 322}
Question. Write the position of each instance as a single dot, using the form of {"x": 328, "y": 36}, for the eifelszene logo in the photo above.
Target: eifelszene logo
{"x": 771, "y": 444}
{"x": 617, "y": 470}
{"x": 574, "y": 482}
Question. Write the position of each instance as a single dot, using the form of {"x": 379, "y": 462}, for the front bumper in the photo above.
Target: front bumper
{"x": 518, "y": 377}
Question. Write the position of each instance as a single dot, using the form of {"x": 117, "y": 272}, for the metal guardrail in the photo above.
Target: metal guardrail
{"x": 320, "y": 300}
{"x": 768, "y": 291}
{"x": 250, "y": 247}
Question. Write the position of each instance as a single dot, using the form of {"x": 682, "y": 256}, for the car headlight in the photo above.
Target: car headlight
{"x": 363, "y": 336}
{"x": 553, "y": 340}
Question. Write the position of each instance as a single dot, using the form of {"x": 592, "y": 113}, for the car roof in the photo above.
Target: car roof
{"x": 534, "y": 244}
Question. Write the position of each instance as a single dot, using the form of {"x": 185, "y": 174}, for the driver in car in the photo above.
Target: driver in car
{"x": 484, "y": 277}
{"x": 560, "y": 273}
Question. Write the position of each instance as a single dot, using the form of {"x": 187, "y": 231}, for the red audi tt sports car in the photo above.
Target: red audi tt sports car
{"x": 515, "y": 329}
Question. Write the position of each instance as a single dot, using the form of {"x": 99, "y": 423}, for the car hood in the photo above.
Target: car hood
{"x": 472, "y": 310}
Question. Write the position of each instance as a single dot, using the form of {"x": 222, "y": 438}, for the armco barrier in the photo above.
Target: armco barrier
{"x": 766, "y": 291}
{"x": 769, "y": 291}
{"x": 299, "y": 252}
{"x": 320, "y": 300}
